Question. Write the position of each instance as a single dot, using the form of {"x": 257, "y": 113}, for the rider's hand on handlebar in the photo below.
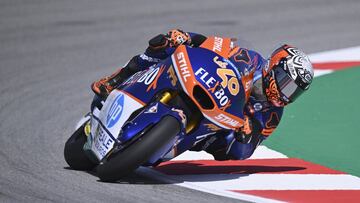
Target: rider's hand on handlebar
{"x": 177, "y": 37}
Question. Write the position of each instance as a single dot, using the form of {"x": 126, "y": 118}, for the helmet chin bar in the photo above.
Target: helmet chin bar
{"x": 272, "y": 92}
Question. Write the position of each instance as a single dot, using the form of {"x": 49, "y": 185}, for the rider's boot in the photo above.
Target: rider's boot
{"x": 105, "y": 85}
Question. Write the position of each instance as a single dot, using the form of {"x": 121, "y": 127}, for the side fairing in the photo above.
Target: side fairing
{"x": 218, "y": 78}
{"x": 145, "y": 84}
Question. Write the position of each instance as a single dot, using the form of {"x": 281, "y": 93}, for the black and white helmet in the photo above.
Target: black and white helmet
{"x": 288, "y": 74}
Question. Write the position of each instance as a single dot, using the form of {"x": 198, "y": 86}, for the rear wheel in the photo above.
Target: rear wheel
{"x": 74, "y": 153}
{"x": 140, "y": 151}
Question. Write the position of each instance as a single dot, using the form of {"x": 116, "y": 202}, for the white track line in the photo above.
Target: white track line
{"x": 339, "y": 55}
{"x": 204, "y": 188}
{"x": 262, "y": 152}
{"x": 273, "y": 181}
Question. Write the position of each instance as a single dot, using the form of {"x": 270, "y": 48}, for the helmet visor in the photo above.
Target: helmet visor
{"x": 288, "y": 89}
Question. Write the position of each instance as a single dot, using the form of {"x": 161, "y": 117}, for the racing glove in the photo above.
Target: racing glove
{"x": 177, "y": 37}
{"x": 173, "y": 38}
{"x": 246, "y": 142}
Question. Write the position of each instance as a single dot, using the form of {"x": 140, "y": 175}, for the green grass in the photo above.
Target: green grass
{"x": 323, "y": 126}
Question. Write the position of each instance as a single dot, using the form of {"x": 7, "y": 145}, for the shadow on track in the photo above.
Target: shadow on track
{"x": 192, "y": 168}
{"x": 189, "y": 168}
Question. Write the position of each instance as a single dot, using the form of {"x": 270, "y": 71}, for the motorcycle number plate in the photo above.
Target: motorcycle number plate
{"x": 103, "y": 143}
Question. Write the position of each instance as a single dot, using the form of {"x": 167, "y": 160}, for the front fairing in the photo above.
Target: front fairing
{"x": 107, "y": 123}
{"x": 219, "y": 79}
{"x": 110, "y": 125}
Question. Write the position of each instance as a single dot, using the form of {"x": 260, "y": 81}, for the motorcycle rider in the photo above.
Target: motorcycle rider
{"x": 276, "y": 82}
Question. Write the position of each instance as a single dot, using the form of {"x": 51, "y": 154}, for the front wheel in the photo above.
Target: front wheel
{"x": 74, "y": 153}
{"x": 140, "y": 151}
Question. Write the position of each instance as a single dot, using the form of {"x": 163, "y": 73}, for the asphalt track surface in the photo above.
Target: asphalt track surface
{"x": 51, "y": 51}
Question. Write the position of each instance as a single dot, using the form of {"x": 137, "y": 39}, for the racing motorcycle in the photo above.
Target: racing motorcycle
{"x": 160, "y": 112}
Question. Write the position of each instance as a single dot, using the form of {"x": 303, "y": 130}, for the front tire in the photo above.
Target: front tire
{"x": 140, "y": 151}
{"x": 74, "y": 153}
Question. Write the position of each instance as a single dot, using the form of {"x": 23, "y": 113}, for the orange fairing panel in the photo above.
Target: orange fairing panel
{"x": 219, "y": 45}
{"x": 185, "y": 73}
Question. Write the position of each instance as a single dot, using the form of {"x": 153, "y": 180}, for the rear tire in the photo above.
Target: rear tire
{"x": 140, "y": 151}
{"x": 74, "y": 153}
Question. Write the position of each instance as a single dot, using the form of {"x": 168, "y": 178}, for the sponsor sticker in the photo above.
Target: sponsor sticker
{"x": 172, "y": 76}
{"x": 218, "y": 43}
{"x": 212, "y": 127}
{"x": 258, "y": 107}
{"x": 227, "y": 120}
{"x": 183, "y": 65}
{"x": 115, "y": 111}
{"x": 103, "y": 143}
{"x": 152, "y": 109}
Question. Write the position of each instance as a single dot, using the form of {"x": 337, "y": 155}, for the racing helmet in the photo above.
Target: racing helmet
{"x": 287, "y": 75}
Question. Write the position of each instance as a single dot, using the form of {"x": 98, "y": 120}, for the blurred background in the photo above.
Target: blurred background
{"x": 51, "y": 51}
